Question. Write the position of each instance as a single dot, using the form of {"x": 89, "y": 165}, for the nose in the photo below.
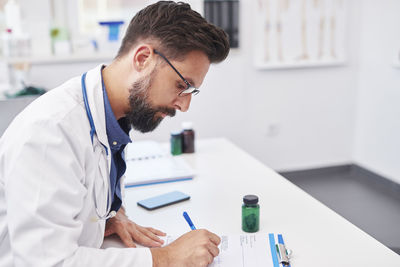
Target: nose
{"x": 183, "y": 102}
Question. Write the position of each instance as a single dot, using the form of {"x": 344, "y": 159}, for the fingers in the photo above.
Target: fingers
{"x": 126, "y": 238}
{"x": 156, "y": 231}
{"x": 195, "y": 248}
{"x": 129, "y": 232}
{"x": 214, "y": 250}
{"x": 211, "y": 245}
{"x": 207, "y": 260}
{"x": 210, "y": 259}
{"x": 214, "y": 238}
{"x": 211, "y": 236}
{"x": 145, "y": 237}
{"x": 151, "y": 235}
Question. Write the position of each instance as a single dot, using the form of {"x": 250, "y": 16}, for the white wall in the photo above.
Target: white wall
{"x": 377, "y": 139}
{"x": 289, "y": 119}
{"x": 311, "y": 110}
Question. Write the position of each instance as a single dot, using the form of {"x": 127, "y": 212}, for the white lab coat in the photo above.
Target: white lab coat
{"x": 49, "y": 170}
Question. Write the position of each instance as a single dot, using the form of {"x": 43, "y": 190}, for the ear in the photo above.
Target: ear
{"x": 142, "y": 57}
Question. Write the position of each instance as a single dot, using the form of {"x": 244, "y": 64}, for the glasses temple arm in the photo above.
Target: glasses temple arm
{"x": 169, "y": 63}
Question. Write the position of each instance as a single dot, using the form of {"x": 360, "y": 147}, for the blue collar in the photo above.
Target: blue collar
{"x": 117, "y": 131}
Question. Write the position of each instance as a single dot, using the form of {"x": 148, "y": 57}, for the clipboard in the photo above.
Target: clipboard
{"x": 245, "y": 250}
{"x": 279, "y": 254}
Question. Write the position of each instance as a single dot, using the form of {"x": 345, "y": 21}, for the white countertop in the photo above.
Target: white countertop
{"x": 317, "y": 235}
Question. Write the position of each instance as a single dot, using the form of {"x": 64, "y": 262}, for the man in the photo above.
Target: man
{"x": 61, "y": 159}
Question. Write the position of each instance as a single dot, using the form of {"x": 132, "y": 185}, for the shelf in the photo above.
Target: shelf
{"x": 299, "y": 65}
{"x": 49, "y": 59}
{"x": 27, "y": 98}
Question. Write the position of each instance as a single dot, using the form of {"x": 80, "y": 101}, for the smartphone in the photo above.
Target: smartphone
{"x": 163, "y": 200}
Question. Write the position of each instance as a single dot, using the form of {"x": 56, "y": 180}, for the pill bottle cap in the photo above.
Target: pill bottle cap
{"x": 250, "y": 199}
{"x": 187, "y": 125}
{"x": 176, "y": 133}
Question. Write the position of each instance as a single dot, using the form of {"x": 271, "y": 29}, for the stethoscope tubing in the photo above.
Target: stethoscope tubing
{"x": 109, "y": 213}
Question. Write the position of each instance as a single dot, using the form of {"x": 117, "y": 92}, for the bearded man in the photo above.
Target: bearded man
{"x": 62, "y": 158}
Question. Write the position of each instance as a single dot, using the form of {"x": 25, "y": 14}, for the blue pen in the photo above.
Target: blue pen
{"x": 189, "y": 221}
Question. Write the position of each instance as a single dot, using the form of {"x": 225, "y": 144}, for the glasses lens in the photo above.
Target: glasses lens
{"x": 189, "y": 90}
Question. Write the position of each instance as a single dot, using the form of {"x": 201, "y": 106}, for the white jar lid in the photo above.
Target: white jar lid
{"x": 187, "y": 125}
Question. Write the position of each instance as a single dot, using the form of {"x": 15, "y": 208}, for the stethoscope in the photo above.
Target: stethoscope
{"x": 109, "y": 213}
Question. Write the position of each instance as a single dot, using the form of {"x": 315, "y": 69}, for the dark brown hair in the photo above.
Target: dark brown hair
{"x": 177, "y": 30}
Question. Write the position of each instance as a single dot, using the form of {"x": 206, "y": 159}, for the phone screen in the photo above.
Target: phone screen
{"x": 163, "y": 200}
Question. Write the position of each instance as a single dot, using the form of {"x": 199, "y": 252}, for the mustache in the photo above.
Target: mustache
{"x": 166, "y": 110}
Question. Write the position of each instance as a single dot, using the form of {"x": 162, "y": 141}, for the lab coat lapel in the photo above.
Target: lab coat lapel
{"x": 96, "y": 103}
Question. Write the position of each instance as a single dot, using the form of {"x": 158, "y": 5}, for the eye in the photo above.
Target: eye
{"x": 181, "y": 86}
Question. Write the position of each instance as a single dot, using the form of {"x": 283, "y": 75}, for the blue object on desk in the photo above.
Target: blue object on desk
{"x": 273, "y": 250}
{"x": 189, "y": 221}
{"x": 163, "y": 200}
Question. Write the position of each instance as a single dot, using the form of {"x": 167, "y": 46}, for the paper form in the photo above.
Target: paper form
{"x": 246, "y": 250}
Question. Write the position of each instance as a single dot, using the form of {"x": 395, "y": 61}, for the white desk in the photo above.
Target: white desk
{"x": 317, "y": 235}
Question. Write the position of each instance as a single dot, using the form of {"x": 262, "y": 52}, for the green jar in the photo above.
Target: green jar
{"x": 176, "y": 143}
{"x": 250, "y": 214}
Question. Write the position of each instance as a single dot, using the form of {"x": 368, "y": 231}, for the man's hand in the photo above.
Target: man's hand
{"x": 195, "y": 248}
{"x": 130, "y": 232}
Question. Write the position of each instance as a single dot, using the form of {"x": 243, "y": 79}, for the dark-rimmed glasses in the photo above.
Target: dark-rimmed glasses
{"x": 190, "y": 89}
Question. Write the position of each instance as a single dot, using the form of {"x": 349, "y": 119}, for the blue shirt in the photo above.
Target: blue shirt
{"x": 118, "y": 138}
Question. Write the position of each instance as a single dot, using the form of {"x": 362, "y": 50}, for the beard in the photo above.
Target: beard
{"x": 142, "y": 115}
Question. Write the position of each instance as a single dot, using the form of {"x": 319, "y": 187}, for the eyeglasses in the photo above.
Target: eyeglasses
{"x": 190, "y": 89}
